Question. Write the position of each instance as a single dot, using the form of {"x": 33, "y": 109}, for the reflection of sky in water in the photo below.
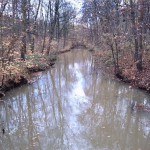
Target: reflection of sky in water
{"x": 77, "y": 99}
{"x": 78, "y": 87}
{"x": 78, "y": 102}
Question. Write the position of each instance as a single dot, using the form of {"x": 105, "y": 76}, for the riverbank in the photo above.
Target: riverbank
{"x": 129, "y": 73}
{"x": 21, "y": 72}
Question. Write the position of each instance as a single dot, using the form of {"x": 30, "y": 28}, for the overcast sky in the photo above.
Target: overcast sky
{"x": 76, "y": 3}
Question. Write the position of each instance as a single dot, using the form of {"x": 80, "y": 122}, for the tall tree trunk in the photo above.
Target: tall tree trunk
{"x": 24, "y": 27}
{"x": 137, "y": 38}
{"x": 34, "y": 28}
{"x": 140, "y": 35}
{"x": 45, "y": 24}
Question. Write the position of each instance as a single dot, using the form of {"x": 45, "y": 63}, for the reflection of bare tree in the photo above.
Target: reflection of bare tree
{"x": 19, "y": 123}
{"x": 60, "y": 117}
{"x": 108, "y": 119}
{"x": 30, "y": 128}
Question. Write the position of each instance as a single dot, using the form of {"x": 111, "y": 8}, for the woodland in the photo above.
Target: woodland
{"x": 33, "y": 33}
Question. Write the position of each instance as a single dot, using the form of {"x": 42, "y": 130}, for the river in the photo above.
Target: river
{"x": 71, "y": 107}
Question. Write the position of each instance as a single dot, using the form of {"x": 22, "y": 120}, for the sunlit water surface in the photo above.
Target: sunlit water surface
{"x": 71, "y": 107}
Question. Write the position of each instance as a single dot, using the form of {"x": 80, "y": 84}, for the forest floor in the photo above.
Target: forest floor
{"x": 129, "y": 73}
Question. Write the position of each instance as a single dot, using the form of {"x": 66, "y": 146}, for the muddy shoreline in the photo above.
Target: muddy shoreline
{"x": 11, "y": 84}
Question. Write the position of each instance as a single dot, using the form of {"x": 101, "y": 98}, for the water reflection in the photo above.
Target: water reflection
{"x": 70, "y": 108}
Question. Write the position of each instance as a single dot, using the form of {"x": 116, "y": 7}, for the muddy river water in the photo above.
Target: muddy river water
{"x": 71, "y": 107}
